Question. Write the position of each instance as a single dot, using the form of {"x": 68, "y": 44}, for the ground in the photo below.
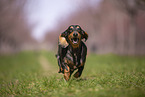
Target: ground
{"x": 35, "y": 74}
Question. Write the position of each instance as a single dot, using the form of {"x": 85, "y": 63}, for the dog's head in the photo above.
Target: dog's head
{"x": 74, "y": 34}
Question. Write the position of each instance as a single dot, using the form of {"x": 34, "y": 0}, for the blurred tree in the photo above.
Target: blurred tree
{"x": 130, "y": 7}
{"x": 14, "y": 30}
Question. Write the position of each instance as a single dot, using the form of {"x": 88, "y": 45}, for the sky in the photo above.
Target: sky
{"x": 44, "y": 15}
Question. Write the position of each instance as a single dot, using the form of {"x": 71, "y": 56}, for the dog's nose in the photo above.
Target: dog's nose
{"x": 75, "y": 34}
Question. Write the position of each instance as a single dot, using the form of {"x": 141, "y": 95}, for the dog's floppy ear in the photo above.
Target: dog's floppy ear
{"x": 84, "y": 35}
{"x": 64, "y": 34}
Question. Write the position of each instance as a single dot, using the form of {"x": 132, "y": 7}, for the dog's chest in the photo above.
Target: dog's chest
{"x": 74, "y": 55}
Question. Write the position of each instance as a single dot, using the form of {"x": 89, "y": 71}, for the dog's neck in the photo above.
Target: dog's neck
{"x": 75, "y": 50}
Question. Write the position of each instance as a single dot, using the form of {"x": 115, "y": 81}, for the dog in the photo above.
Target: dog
{"x": 72, "y": 51}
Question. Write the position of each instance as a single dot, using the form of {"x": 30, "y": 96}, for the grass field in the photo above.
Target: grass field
{"x": 35, "y": 74}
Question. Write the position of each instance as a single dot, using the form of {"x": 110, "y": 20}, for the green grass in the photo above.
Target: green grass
{"x": 104, "y": 76}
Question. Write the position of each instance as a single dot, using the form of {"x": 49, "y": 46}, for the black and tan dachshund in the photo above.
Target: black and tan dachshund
{"x": 72, "y": 51}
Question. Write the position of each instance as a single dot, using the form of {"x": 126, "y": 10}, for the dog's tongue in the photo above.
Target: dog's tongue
{"x": 75, "y": 40}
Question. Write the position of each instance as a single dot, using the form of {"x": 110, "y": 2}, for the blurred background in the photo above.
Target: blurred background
{"x": 113, "y": 26}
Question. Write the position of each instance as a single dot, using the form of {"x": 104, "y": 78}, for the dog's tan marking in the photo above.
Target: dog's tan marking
{"x": 67, "y": 73}
{"x": 71, "y": 27}
{"x": 78, "y": 27}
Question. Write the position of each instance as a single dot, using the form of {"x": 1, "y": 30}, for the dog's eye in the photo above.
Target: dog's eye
{"x": 70, "y": 30}
{"x": 79, "y": 30}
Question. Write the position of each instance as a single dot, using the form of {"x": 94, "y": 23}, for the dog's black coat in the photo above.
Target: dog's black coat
{"x": 73, "y": 56}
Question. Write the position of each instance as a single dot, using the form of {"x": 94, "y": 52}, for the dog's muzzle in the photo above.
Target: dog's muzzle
{"x": 75, "y": 38}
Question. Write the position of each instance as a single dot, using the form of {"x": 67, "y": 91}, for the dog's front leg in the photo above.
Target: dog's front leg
{"x": 79, "y": 72}
{"x": 60, "y": 56}
{"x": 83, "y": 60}
{"x": 67, "y": 73}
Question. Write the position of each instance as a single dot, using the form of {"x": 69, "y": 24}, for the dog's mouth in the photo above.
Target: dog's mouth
{"x": 75, "y": 40}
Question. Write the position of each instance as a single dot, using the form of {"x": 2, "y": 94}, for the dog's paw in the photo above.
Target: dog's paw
{"x": 77, "y": 75}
